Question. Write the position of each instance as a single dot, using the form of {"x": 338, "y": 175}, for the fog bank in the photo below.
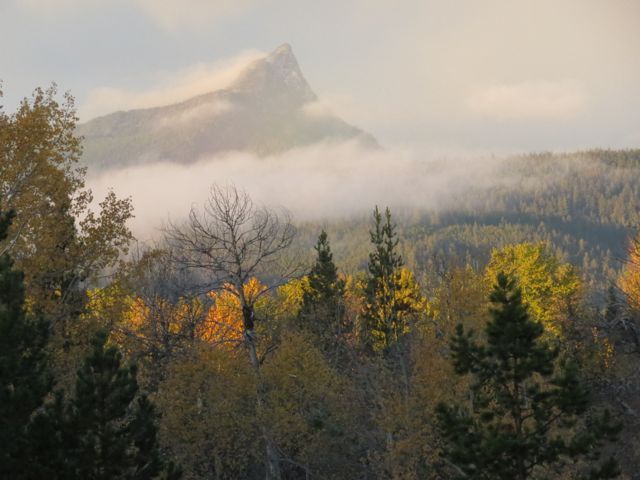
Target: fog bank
{"x": 315, "y": 183}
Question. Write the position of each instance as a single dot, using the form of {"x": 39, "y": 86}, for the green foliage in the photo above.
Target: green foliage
{"x": 24, "y": 376}
{"x": 308, "y": 410}
{"x": 527, "y": 413}
{"x": 208, "y": 400}
{"x": 516, "y": 410}
{"x": 390, "y": 297}
{"x": 549, "y": 287}
{"x": 583, "y": 205}
{"x": 106, "y": 431}
{"x": 114, "y": 429}
{"x": 322, "y": 308}
{"x": 57, "y": 239}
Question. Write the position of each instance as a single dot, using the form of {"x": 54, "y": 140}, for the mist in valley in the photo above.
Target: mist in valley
{"x": 319, "y": 183}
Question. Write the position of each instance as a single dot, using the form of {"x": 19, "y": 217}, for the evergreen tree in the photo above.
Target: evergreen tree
{"x": 391, "y": 293}
{"x": 322, "y": 300}
{"x": 107, "y": 430}
{"x": 529, "y": 409}
{"x": 612, "y": 307}
{"x": 24, "y": 377}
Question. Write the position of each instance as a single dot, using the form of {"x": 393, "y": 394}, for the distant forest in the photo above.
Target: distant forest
{"x": 584, "y": 205}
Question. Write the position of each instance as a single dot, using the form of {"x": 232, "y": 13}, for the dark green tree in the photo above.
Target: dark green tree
{"x": 24, "y": 377}
{"x": 383, "y": 323}
{"x": 107, "y": 431}
{"x": 529, "y": 412}
{"x": 322, "y": 301}
{"x": 613, "y": 305}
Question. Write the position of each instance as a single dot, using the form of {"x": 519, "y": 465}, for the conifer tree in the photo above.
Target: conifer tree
{"x": 528, "y": 411}
{"x": 391, "y": 293}
{"x": 322, "y": 306}
{"x": 109, "y": 430}
{"x": 24, "y": 377}
{"x": 612, "y": 307}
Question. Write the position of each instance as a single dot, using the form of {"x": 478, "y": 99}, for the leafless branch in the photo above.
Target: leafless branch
{"x": 230, "y": 240}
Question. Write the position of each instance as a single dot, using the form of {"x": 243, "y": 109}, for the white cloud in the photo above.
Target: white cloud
{"x": 313, "y": 182}
{"x": 529, "y": 100}
{"x": 199, "y": 112}
{"x": 176, "y": 87}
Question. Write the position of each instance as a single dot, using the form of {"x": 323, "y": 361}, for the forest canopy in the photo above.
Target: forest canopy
{"x": 491, "y": 340}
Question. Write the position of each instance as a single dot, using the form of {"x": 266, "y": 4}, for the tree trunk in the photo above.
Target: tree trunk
{"x": 272, "y": 459}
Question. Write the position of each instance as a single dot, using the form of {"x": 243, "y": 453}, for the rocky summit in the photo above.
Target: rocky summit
{"x": 263, "y": 112}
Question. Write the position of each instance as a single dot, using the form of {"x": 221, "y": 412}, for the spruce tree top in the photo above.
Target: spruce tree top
{"x": 384, "y": 260}
{"x": 528, "y": 411}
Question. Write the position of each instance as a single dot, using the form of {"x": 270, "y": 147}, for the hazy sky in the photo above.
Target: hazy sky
{"x": 479, "y": 75}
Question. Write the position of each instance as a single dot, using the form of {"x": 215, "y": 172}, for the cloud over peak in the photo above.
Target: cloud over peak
{"x": 171, "y": 88}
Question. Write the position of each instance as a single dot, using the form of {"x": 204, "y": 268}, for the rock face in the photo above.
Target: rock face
{"x": 262, "y": 112}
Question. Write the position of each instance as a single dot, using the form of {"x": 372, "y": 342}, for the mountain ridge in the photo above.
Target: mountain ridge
{"x": 262, "y": 112}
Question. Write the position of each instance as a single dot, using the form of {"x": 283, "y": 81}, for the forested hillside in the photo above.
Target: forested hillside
{"x": 584, "y": 205}
{"x": 457, "y": 343}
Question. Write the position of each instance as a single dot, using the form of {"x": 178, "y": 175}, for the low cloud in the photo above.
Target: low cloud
{"x": 176, "y": 87}
{"x": 529, "y": 100}
{"x": 204, "y": 111}
{"x": 319, "y": 182}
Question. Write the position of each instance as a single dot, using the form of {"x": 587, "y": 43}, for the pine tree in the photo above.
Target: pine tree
{"x": 391, "y": 293}
{"x": 529, "y": 409}
{"x": 322, "y": 300}
{"x": 24, "y": 377}
{"x": 108, "y": 430}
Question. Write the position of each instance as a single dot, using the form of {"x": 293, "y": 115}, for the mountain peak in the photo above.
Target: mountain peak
{"x": 275, "y": 74}
{"x": 283, "y": 51}
{"x": 262, "y": 112}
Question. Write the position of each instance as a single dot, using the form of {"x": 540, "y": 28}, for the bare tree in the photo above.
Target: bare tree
{"x": 230, "y": 241}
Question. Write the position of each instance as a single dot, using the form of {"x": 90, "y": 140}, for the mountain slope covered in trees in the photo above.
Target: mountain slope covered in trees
{"x": 585, "y": 205}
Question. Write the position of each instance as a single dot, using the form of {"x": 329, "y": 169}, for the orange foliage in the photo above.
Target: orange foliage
{"x": 221, "y": 325}
{"x": 224, "y": 323}
{"x": 160, "y": 317}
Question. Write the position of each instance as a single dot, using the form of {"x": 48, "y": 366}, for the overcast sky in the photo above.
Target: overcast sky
{"x": 474, "y": 75}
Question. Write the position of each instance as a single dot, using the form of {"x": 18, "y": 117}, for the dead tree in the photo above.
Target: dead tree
{"x": 228, "y": 242}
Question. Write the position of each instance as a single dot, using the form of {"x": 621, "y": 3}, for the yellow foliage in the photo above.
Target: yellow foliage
{"x": 550, "y": 289}
{"x": 290, "y": 296}
{"x": 392, "y": 311}
{"x": 161, "y": 316}
{"x": 224, "y": 324}
{"x": 629, "y": 280}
